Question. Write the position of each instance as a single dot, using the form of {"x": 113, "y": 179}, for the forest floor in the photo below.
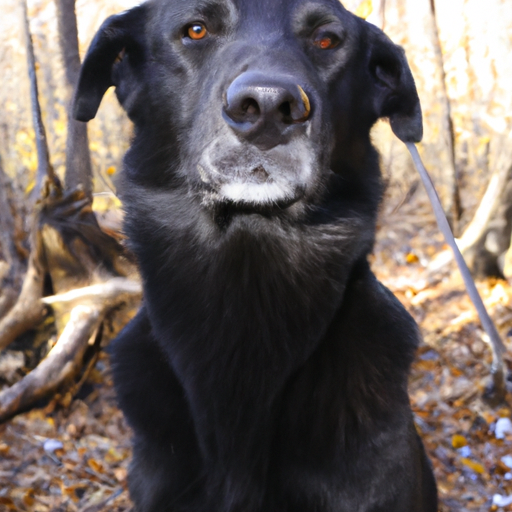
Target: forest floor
{"x": 73, "y": 454}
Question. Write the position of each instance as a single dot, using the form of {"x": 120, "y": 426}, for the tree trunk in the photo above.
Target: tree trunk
{"x": 478, "y": 67}
{"x": 78, "y": 159}
{"x": 486, "y": 241}
{"x": 451, "y": 201}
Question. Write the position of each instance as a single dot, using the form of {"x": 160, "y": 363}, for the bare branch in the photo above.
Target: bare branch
{"x": 78, "y": 159}
{"x": 68, "y": 39}
{"x": 44, "y": 167}
{"x": 112, "y": 292}
{"x": 488, "y": 205}
{"x": 496, "y": 392}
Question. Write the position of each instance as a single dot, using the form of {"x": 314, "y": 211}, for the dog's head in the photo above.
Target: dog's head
{"x": 250, "y": 102}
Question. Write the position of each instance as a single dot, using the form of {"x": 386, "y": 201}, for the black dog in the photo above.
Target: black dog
{"x": 267, "y": 370}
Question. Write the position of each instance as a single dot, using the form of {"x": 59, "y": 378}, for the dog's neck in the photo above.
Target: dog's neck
{"x": 229, "y": 284}
{"x": 258, "y": 294}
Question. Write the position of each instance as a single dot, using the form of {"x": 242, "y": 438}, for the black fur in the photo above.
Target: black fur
{"x": 267, "y": 370}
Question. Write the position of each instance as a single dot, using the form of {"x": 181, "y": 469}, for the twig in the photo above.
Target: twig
{"x": 100, "y": 506}
{"x": 85, "y": 374}
{"x": 497, "y": 346}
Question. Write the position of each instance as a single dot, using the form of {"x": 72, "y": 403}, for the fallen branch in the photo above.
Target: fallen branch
{"x": 62, "y": 363}
{"x": 65, "y": 230}
{"x": 113, "y": 291}
{"x": 30, "y": 309}
{"x": 89, "y": 305}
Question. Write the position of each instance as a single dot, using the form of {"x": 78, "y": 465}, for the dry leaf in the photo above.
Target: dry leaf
{"x": 364, "y": 9}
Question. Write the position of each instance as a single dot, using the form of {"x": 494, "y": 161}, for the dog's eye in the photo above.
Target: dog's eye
{"x": 325, "y": 42}
{"x": 196, "y": 31}
{"x": 325, "y": 39}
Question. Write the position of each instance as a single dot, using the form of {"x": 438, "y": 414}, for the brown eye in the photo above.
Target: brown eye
{"x": 196, "y": 31}
{"x": 328, "y": 36}
{"x": 326, "y": 42}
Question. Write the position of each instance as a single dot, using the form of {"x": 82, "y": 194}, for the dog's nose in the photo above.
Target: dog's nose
{"x": 261, "y": 108}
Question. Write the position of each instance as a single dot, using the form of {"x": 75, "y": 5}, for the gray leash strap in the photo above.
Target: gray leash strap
{"x": 442, "y": 222}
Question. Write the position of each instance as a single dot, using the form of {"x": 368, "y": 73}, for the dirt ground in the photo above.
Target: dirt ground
{"x": 73, "y": 454}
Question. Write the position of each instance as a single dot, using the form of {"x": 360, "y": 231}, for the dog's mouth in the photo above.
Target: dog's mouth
{"x": 224, "y": 212}
{"x": 249, "y": 180}
{"x": 253, "y": 191}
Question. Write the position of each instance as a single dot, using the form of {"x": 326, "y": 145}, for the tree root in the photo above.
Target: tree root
{"x": 62, "y": 363}
{"x": 7, "y": 300}
{"x": 28, "y": 311}
{"x": 89, "y": 305}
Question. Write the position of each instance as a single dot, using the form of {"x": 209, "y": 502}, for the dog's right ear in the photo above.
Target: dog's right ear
{"x": 119, "y": 36}
{"x": 395, "y": 95}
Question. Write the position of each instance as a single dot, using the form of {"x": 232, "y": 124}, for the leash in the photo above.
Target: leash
{"x": 498, "y": 348}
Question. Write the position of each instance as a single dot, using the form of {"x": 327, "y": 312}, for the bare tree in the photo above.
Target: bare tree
{"x": 78, "y": 159}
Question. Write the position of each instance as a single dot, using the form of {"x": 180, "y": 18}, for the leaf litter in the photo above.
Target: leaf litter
{"x": 71, "y": 456}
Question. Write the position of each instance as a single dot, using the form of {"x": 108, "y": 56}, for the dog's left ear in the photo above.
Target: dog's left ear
{"x": 119, "y": 37}
{"x": 395, "y": 94}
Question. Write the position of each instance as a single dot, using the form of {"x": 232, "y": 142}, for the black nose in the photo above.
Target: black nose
{"x": 262, "y": 108}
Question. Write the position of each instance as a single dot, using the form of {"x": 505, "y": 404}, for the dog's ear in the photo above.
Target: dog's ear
{"x": 119, "y": 37}
{"x": 395, "y": 94}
